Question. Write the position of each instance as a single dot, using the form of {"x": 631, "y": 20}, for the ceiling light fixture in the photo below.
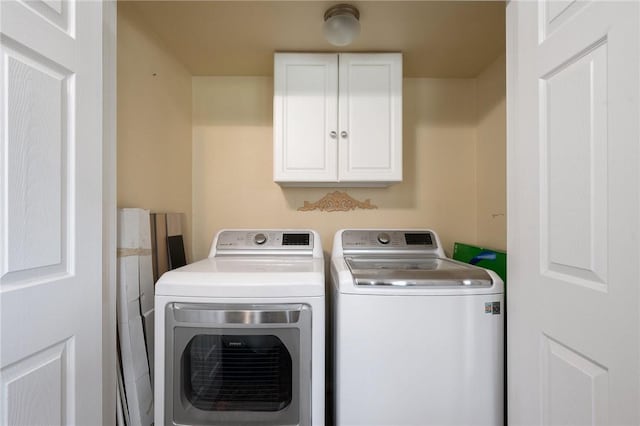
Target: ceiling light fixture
{"x": 341, "y": 24}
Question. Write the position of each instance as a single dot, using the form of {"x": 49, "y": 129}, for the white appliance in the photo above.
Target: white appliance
{"x": 240, "y": 335}
{"x": 418, "y": 337}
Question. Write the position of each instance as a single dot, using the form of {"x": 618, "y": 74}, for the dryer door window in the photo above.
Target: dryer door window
{"x": 237, "y": 373}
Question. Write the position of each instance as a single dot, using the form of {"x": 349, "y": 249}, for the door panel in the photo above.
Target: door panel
{"x": 574, "y": 388}
{"x": 573, "y": 299}
{"x": 38, "y": 388}
{"x": 50, "y": 212}
{"x": 370, "y": 117}
{"x": 573, "y": 169}
{"x": 305, "y": 115}
{"x": 368, "y": 102}
{"x": 555, "y": 13}
{"x": 38, "y": 95}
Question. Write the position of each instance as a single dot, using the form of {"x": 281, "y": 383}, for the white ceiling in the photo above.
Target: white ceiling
{"x": 453, "y": 39}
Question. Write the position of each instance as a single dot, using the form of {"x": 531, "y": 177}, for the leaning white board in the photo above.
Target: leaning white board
{"x": 133, "y": 243}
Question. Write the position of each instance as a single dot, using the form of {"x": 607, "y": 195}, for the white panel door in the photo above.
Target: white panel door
{"x": 370, "y": 117}
{"x": 50, "y": 212}
{"x": 305, "y": 109}
{"x": 573, "y": 196}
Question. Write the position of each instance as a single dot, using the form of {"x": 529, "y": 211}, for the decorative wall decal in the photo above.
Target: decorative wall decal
{"x": 337, "y": 202}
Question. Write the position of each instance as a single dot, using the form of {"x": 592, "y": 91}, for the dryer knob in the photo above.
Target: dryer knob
{"x": 384, "y": 238}
{"x": 260, "y": 239}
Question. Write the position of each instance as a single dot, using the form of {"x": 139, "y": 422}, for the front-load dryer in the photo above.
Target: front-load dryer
{"x": 240, "y": 335}
{"x": 418, "y": 336}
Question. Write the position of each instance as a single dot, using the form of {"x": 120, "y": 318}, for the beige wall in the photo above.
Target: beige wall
{"x": 203, "y": 146}
{"x": 154, "y": 122}
{"x": 233, "y": 166}
{"x": 491, "y": 156}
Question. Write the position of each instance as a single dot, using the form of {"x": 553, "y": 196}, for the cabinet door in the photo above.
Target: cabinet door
{"x": 370, "y": 117}
{"x": 305, "y": 115}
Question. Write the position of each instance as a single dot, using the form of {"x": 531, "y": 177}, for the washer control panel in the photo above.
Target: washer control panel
{"x": 388, "y": 240}
{"x": 264, "y": 240}
{"x": 384, "y": 238}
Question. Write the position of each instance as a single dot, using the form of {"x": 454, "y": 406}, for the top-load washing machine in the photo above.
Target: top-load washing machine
{"x": 418, "y": 337}
{"x": 240, "y": 335}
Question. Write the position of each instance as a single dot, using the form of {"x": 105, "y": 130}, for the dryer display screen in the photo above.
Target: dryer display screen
{"x": 295, "y": 239}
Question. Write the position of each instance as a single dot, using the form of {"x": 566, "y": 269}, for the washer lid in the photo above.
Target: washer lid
{"x": 416, "y": 272}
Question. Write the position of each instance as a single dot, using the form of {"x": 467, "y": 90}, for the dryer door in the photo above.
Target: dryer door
{"x": 238, "y": 364}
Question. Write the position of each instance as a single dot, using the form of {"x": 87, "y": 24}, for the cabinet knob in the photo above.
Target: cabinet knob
{"x": 344, "y": 134}
{"x": 333, "y": 134}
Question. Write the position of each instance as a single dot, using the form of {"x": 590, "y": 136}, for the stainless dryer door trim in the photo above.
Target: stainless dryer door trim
{"x": 270, "y": 314}
{"x": 291, "y": 323}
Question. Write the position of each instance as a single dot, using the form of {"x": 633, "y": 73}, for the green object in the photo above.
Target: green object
{"x": 491, "y": 259}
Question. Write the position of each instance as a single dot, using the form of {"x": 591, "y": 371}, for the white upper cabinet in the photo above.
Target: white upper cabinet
{"x": 338, "y": 119}
{"x": 305, "y": 113}
{"x": 370, "y": 118}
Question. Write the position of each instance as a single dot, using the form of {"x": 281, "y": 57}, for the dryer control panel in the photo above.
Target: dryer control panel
{"x": 264, "y": 240}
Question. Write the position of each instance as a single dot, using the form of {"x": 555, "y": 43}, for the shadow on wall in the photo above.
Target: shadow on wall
{"x": 429, "y": 108}
{"x": 233, "y": 101}
{"x": 233, "y": 164}
{"x": 492, "y": 88}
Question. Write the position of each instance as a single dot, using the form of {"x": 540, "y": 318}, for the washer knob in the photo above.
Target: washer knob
{"x": 384, "y": 238}
{"x": 260, "y": 239}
